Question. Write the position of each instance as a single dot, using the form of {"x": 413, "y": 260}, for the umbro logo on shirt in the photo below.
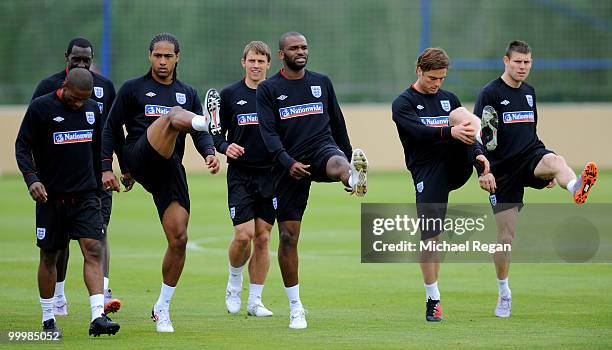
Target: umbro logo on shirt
{"x": 58, "y": 119}
{"x": 241, "y": 102}
{"x": 281, "y": 97}
{"x": 419, "y": 107}
{"x": 505, "y": 102}
{"x": 150, "y": 94}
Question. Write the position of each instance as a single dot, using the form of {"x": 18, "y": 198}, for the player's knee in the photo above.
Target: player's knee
{"x": 179, "y": 240}
{"x": 506, "y": 236}
{"x": 173, "y": 115}
{"x": 93, "y": 250}
{"x": 287, "y": 238}
{"x": 553, "y": 161}
{"x": 243, "y": 235}
{"x": 337, "y": 166}
{"x": 458, "y": 112}
{"x": 49, "y": 258}
{"x": 262, "y": 240}
{"x": 457, "y": 115}
{"x": 242, "y": 241}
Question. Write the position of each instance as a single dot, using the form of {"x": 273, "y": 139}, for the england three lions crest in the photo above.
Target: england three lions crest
{"x": 316, "y": 90}
{"x": 445, "y": 105}
{"x": 90, "y": 117}
{"x": 180, "y": 98}
{"x": 98, "y": 91}
{"x": 529, "y": 100}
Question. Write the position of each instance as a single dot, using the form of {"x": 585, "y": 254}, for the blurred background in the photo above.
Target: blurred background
{"x": 367, "y": 47}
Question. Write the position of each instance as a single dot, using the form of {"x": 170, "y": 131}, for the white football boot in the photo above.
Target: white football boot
{"x": 212, "y": 105}
{"x": 162, "y": 320}
{"x": 297, "y": 319}
{"x": 359, "y": 172}
{"x": 60, "y": 306}
{"x": 258, "y": 309}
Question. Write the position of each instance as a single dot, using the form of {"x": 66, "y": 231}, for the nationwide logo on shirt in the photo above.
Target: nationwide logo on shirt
{"x": 247, "y": 119}
{"x": 156, "y": 111}
{"x": 64, "y": 137}
{"x": 301, "y": 110}
{"x": 518, "y": 117}
{"x": 435, "y": 122}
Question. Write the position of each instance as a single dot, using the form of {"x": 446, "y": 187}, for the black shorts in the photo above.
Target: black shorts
{"x": 511, "y": 184}
{"x": 250, "y": 194}
{"x": 106, "y": 202}
{"x": 435, "y": 180}
{"x": 292, "y": 194}
{"x": 164, "y": 178}
{"x": 68, "y": 217}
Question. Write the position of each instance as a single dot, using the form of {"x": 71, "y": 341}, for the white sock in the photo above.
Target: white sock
{"x": 293, "y": 293}
{"x": 431, "y": 291}
{"x": 165, "y": 296}
{"x": 97, "y": 305}
{"x": 504, "y": 290}
{"x": 106, "y": 283}
{"x": 255, "y": 291}
{"x": 199, "y": 123}
{"x": 570, "y": 186}
{"x": 59, "y": 290}
{"x": 47, "y": 308}
{"x": 234, "y": 281}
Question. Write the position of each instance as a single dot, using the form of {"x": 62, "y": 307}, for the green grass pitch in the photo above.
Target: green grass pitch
{"x": 351, "y": 305}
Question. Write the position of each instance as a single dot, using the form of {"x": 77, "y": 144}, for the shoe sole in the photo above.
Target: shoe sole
{"x": 111, "y": 330}
{"x": 211, "y": 102}
{"x": 360, "y": 162}
{"x": 113, "y": 305}
{"x": 254, "y": 315}
{"x": 589, "y": 177}
{"x": 168, "y": 331}
{"x": 489, "y": 120}
{"x": 298, "y": 327}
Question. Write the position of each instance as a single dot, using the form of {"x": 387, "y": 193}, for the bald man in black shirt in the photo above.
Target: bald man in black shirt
{"x": 303, "y": 127}
{"x": 79, "y": 54}
{"x": 58, "y": 152}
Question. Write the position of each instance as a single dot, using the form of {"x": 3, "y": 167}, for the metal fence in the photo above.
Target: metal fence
{"x": 367, "y": 47}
